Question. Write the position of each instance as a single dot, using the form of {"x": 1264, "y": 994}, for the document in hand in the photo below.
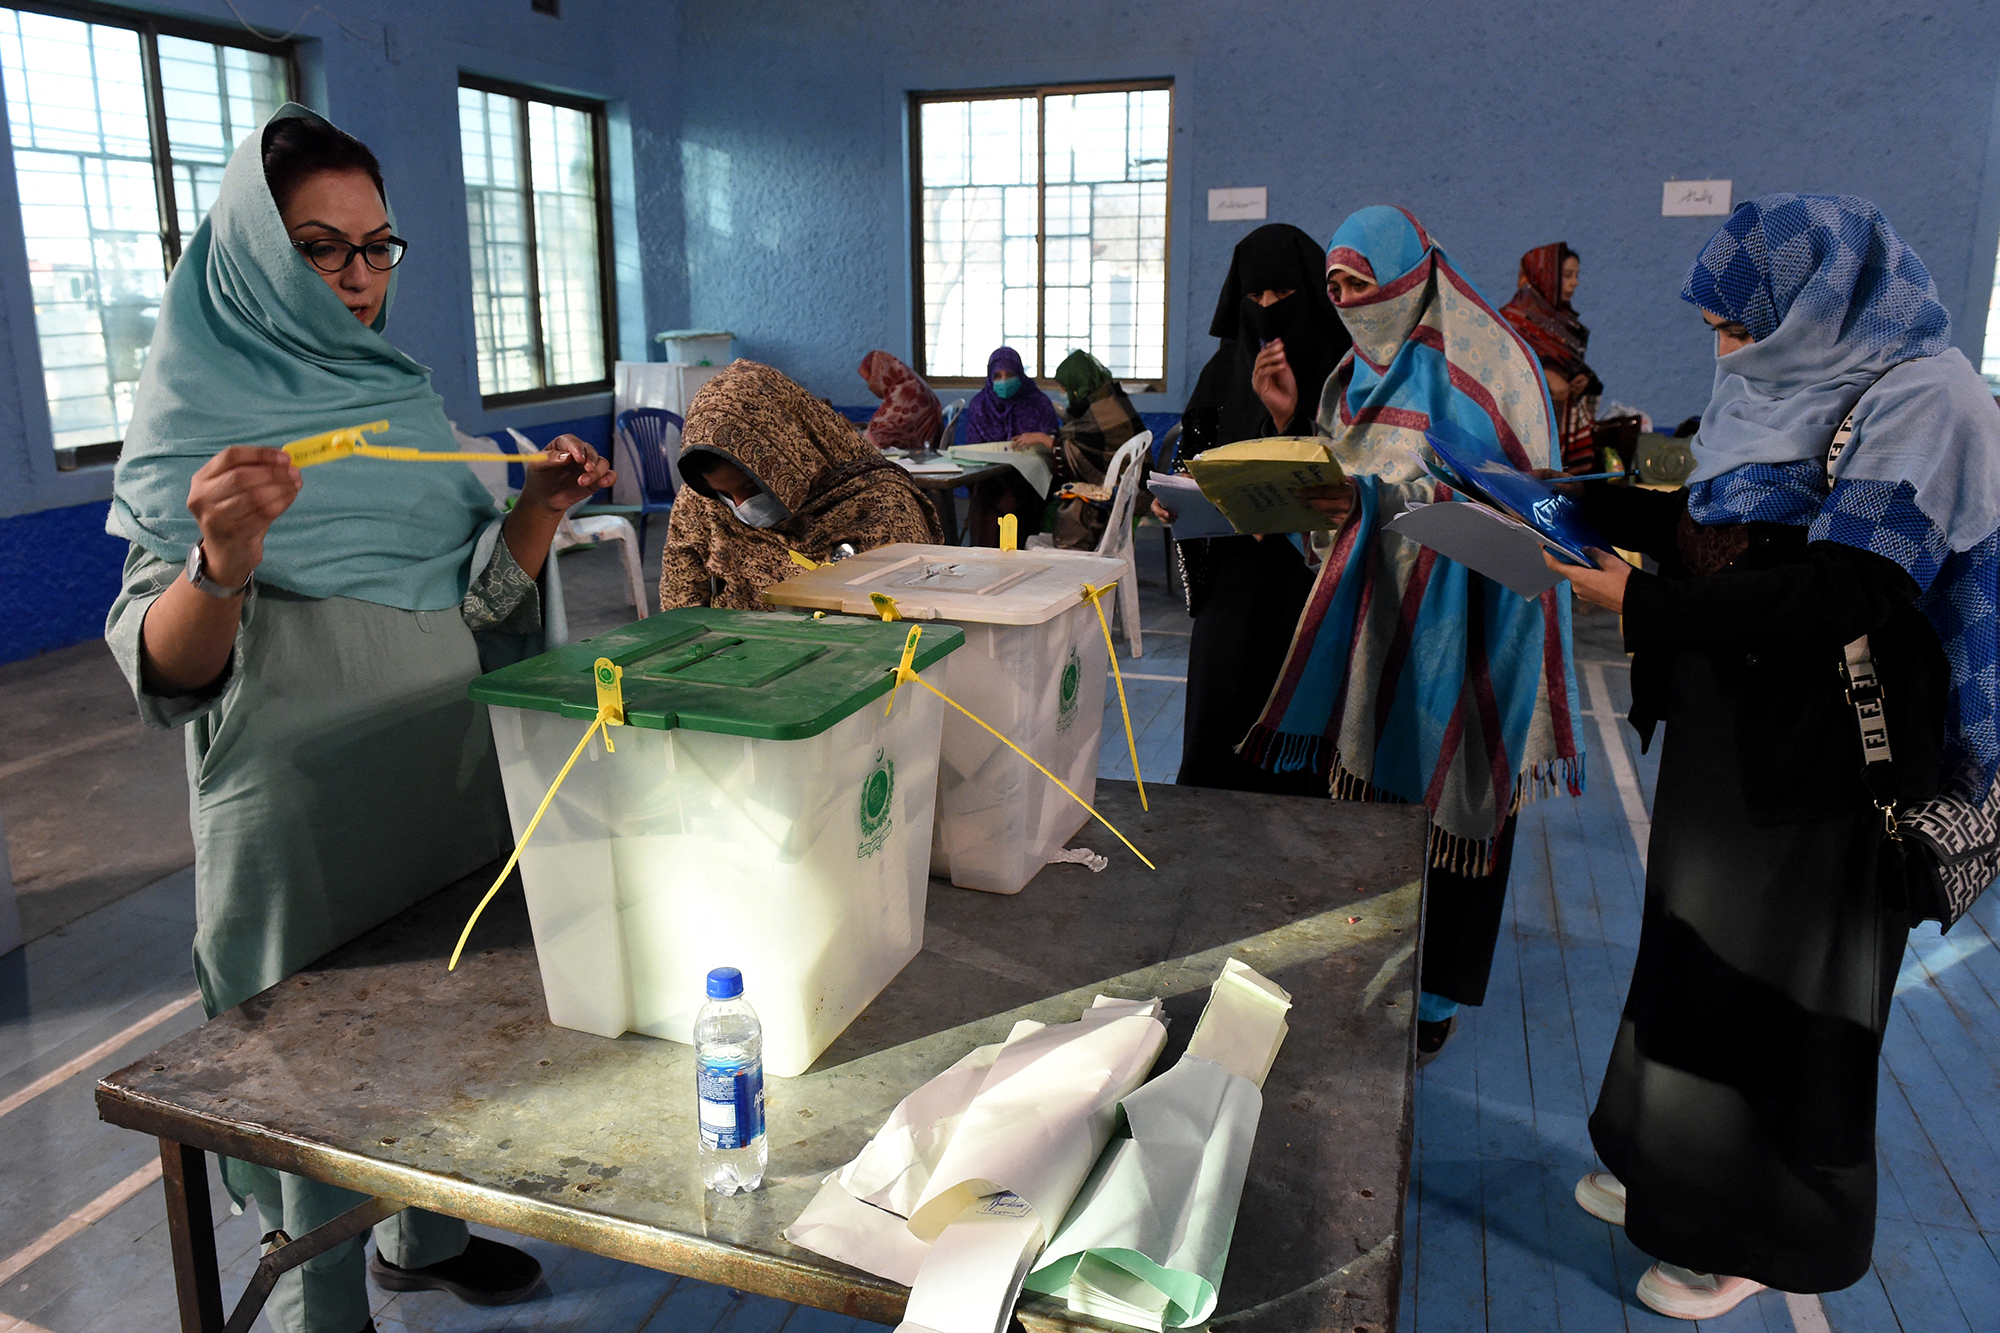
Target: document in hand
{"x": 1195, "y": 515}
{"x": 1484, "y": 540}
{"x": 1255, "y": 483}
{"x": 1464, "y": 464}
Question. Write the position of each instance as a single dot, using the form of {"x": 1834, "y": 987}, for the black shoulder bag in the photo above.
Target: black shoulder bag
{"x": 1948, "y": 847}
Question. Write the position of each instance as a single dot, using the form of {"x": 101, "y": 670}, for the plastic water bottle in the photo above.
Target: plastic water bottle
{"x": 729, "y": 1086}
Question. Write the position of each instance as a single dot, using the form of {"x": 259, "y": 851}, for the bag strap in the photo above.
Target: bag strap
{"x": 1864, "y": 686}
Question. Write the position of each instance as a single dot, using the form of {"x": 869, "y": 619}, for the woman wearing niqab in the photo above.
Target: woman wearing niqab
{"x": 1246, "y": 594}
{"x": 1737, "y": 1113}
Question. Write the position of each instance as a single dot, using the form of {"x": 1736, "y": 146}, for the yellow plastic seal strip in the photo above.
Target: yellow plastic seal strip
{"x": 347, "y": 443}
{"x": 1095, "y": 596}
{"x": 904, "y": 672}
{"x": 610, "y": 713}
{"x": 1010, "y": 532}
{"x": 885, "y": 606}
{"x": 801, "y": 559}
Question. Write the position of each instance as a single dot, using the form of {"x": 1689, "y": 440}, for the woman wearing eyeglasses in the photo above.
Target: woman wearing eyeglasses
{"x": 314, "y": 633}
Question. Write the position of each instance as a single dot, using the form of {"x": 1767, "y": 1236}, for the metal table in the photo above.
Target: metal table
{"x": 377, "y": 1070}
{"x": 941, "y": 485}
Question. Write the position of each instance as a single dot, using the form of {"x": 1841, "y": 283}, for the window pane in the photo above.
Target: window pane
{"x": 1096, "y": 279}
{"x": 561, "y": 144}
{"x": 215, "y": 96}
{"x": 1106, "y": 162}
{"x": 979, "y": 250}
{"x": 83, "y": 158}
{"x": 502, "y": 314}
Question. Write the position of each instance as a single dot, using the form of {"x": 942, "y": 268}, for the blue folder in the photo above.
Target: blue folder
{"x": 1463, "y": 463}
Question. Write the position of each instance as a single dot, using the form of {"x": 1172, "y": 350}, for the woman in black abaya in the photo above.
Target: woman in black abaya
{"x": 1246, "y": 593}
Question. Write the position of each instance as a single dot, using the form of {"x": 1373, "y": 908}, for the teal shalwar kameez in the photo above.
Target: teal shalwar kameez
{"x": 337, "y": 771}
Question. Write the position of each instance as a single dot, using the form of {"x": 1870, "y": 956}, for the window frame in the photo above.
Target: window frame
{"x": 151, "y": 27}
{"x": 1041, "y": 92}
{"x": 607, "y": 286}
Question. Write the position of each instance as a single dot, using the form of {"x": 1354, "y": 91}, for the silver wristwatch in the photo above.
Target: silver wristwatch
{"x": 198, "y": 576}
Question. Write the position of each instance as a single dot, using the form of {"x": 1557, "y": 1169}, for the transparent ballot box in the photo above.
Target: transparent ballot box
{"x": 757, "y": 813}
{"x": 1033, "y": 667}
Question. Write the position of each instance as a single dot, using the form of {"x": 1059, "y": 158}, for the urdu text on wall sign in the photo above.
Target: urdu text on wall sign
{"x": 1240, "y": 205}
{"x": 1694, "y": 199}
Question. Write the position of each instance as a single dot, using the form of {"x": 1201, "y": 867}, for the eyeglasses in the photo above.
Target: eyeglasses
{"x": 335, "y": 256}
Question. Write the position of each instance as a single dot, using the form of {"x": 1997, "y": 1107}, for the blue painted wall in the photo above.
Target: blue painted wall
{"x": 1502, "y": 126}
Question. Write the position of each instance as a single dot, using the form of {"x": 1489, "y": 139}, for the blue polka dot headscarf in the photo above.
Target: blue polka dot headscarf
{"x": 1830, "y": 257}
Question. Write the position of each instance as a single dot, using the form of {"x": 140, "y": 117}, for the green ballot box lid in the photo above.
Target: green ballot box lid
{"x": 764, "y": 675}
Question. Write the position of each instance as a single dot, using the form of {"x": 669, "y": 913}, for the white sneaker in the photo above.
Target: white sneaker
{"x": 1686, "y": 1294}
{"x": 1602, "y": 1195}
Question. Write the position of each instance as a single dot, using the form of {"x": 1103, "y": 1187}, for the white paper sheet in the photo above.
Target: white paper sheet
{"x": 1243, "y": 1024}
{"x": 972, "y": 1276}
{"x": 840, "y": 1226}
{"x": 1503, "y": 549}
{"x": 1195, "y": 515}
{"x": 1044, "y": 1114}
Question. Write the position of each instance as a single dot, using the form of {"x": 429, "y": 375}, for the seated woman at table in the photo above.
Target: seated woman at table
{"x": 1010, "y": 408}
{"x": 315, "y": 634}
{"x": 1097, "y": 420}
{"x": 770, "y": 470}
{"x": 910, "y": 415}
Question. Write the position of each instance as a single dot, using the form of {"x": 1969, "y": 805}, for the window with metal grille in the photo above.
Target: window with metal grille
{"x": 121, "y": 130}
{"x": 1041, "y": 224}
{"x": 536, "y": 207}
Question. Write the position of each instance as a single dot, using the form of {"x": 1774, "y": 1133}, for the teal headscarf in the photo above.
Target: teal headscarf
{"x": 252, "y": 347}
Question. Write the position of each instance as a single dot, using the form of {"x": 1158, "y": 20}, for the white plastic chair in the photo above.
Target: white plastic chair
{"x": 1122, "y": 480}
{"x": 584, "y": 530}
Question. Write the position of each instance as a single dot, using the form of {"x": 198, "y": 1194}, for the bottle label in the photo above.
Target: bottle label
{"x": 730, "y": 1103}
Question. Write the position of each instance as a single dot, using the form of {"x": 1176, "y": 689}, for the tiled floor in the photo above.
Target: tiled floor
{"x": 1495, "y": 1242}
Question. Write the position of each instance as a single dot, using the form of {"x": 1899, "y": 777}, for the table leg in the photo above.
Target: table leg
{"x": 191, "y": 1229}
{"x": 947, "y": 504}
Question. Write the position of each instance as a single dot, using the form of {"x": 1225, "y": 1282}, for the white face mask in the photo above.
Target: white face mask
{"x": 762, "y": 512}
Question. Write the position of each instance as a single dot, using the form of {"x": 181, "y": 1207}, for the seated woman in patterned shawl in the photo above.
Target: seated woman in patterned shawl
{"x": 1097, "y": 422}
{"x": 910, "y": 415}
{"x": 770, "y": 469}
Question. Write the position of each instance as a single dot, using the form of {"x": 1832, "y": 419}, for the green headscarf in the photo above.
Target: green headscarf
{"x": 252, "y": 347}
{"x": 1081, "y": 375}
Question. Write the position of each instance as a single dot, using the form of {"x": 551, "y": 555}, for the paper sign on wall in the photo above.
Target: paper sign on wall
{"x": 1694, "y": 199}
{"x": 1240, "y": 205}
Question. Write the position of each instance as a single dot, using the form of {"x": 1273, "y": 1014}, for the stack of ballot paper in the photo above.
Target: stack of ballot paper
{"x": 1195, "y": 515}
{"x": 1256, "y": 483}
{"x": 961, "y": 1188}
{"x": 1032, "y": 464}
{"x": 1147, "y": 1239}
{"x": 1504, "y": 521}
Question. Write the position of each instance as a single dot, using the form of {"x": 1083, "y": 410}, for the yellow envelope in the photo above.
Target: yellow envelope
{"x": 1255, "y": 483}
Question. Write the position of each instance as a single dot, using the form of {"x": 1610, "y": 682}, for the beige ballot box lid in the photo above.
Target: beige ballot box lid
{"x": 979, "y": 584}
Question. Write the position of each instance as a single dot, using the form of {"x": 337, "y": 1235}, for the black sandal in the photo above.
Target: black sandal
{"x": 1431, "y": 1037}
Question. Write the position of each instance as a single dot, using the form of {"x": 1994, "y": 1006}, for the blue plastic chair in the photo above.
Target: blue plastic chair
{"x": 652, "y": 436}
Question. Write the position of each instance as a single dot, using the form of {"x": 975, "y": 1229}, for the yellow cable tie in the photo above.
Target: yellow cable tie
{"x": 1095, "y": 596}
{"x": 609, "y": 677}
{"x": 329, "y": 445}
{"x": 1010, "y": 532}
{"x": 904, "y": 673}
{"x": 885, "y": 606}
{"x": 541, "y": 810}
{"x": 902, "y": 668}
{"x": 801, "y": 559}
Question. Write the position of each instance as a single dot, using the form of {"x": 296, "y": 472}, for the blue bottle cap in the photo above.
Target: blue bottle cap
{"x": 725, "y": 983}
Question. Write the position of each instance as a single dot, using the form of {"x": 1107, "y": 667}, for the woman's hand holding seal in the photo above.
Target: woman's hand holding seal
{"x": 562, "y": 476}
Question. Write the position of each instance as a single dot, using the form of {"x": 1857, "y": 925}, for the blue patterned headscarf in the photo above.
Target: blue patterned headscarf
{"x": 1846, "y": 318}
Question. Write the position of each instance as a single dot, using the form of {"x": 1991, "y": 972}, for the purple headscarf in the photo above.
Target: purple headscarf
{"x": 989, "y": 417}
